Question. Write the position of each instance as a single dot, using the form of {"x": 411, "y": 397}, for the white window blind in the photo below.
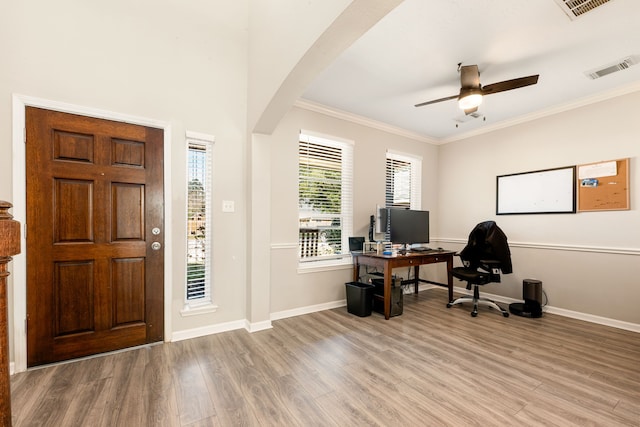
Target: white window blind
{"x": 403, "y": 181}
{"x": 199, "y": 220}
{"x": 325, "y": 197}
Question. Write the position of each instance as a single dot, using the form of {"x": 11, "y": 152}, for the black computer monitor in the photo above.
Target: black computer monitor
{"x": 408, "y": 226}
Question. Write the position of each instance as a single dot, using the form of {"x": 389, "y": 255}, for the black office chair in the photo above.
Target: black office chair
{"x": 484, "y": 258}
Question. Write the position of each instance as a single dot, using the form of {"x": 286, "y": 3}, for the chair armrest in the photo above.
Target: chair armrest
{"x": 492, "y": 266}
{"x": 465, "y": 263}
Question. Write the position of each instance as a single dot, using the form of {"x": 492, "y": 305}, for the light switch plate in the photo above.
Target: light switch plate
{"x": 228, "y": 206}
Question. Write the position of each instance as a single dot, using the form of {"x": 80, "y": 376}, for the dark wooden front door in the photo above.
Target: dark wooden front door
{"x": 95, "y": 218}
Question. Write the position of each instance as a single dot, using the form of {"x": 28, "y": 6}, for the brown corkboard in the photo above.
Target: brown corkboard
{"x": 603, "y": 187}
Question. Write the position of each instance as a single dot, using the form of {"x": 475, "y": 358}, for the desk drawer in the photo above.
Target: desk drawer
{"x": 433, "y": 260}
{"x": 421, "y": 260}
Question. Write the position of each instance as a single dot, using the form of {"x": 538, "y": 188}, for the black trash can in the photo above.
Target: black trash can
{"x": 359, "y": 298}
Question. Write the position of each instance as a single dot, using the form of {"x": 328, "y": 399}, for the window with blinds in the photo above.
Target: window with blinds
{"x": 199, "y": 221}
{"x": 325, "y": 197}
{"x": 403, "y": 178}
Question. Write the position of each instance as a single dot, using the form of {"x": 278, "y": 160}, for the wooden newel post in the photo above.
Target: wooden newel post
{"x": 9, "y": 246}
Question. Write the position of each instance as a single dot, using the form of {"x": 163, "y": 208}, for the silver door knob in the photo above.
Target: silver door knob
{"x": 156, "y": 246}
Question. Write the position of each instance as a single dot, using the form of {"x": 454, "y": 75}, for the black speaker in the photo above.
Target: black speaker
{"x": 372, "y": 224}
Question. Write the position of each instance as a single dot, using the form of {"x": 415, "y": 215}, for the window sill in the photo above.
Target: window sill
{"x": 327, "y": 265}
{"x": 198, "y": 309}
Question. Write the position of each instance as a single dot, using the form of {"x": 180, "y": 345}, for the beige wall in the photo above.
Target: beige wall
{"x": 291, "y": 289}
{"x": 290, "y": 43}
{"x": 184, "y": 64}
{"x": 570, "y": 253}
{"x": 187, "y": 65}
{"x": 587, "y": 262}
{"x": 281, "y": 32}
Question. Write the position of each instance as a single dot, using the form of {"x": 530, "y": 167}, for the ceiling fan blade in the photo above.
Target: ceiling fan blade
{"x": 437, "y": 100}
{"x": 469, "y": 76}
{"x": 510, "y": 84}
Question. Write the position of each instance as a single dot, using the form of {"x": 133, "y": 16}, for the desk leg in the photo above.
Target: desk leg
{"x": 450, "y": 277}
{"x": 356, "y": 271}
{"x": 416, "y": 276}
{"x": 387, "y": 291}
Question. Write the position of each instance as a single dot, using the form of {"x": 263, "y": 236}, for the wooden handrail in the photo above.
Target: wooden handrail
{"x": 9, "y": 246}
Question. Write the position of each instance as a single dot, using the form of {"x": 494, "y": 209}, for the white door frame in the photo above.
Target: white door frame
{"x": 19, "y": 211}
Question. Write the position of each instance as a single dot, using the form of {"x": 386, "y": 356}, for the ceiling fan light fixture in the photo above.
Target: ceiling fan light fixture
{"x": 470, "y": 100}
{"x": 471, "y": 91}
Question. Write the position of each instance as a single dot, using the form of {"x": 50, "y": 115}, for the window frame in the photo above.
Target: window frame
{"x": 205, "y": 143}
{"x": 346, "y": 148}
{"x": 415, "y": 185}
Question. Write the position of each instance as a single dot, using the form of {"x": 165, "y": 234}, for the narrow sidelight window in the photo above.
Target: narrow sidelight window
{"x": 199, "y": 221}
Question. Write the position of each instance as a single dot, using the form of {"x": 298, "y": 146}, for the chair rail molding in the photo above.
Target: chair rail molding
{"x": 556, "y": 247}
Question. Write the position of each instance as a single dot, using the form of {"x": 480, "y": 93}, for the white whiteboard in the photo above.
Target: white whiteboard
{"x": 543, "y": 191}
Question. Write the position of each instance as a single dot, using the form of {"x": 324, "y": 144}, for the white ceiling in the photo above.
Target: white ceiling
{"x": 411, "y": 56}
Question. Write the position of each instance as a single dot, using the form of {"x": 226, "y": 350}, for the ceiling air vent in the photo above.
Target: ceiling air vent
{"x": 576, "y": 8}
{"x": 620, "y": 65}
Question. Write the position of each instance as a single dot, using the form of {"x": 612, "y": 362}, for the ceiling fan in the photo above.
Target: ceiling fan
{"x": 471, "y": 91}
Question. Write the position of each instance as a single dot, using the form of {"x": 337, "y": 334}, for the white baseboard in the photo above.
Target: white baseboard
{"x": 633, "y": 327}
{"x": 628, "y": 326}
{"x": 306, "y": 310}
{"x": 208, "y": 330}
{"x": 257, "y": 327}
{"x": 260, "y": 326}
{"x": 223, "y": 327}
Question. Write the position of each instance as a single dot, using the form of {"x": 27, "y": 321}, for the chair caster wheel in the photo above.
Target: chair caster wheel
{"x": 449, "y": 305}
{"x": 474, "y": 313}
{"x": 505, "y": 314}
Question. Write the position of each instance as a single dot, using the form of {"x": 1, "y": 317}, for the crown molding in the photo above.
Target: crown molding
{"x": 361, "y": 120}
{"x": 588, "y": 100}
{"x": 351, "y": 117}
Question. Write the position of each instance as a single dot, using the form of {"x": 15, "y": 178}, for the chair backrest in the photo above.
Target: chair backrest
{"x": 487, "y": 242}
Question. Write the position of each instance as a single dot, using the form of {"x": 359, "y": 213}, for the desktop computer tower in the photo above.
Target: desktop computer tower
{"x": 532, "y": 295}
{"x": 396, "y": 296}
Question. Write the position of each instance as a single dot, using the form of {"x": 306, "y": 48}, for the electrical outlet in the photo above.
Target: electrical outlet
{"x": 228, "y": 206}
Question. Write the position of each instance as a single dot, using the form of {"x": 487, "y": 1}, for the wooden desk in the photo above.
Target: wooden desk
{"x": 414, "y": 259}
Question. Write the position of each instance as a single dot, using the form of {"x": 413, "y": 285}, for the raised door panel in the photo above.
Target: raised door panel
{"x": 128, "y": 291}
{"x": 73, "y": 315}
{"x": 127, "y": 213}
{"x": 73, "y": 211}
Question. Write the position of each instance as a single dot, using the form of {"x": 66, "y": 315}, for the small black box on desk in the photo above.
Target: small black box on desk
{"x": 396, "y": 296}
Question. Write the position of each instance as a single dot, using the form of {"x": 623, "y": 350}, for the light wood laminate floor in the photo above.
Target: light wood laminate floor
{"x": 431, "y": 366}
